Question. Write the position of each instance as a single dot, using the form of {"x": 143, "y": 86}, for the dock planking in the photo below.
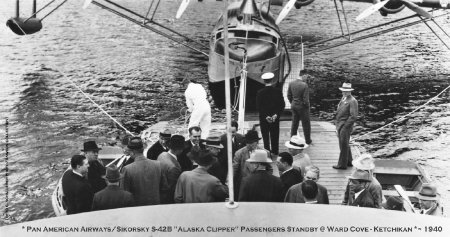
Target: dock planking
{"x": 324, "y": 151}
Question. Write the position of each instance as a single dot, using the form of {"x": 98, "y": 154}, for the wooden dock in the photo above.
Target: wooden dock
{"x": 324, "y": 151}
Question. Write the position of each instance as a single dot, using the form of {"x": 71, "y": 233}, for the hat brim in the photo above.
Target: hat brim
{"x": 259, "y": 161}
{"x": 220, "y": 146}
{"x": 346, "y": 89}
{"x": 419, "y": 196}
{"x": 252, "y": 140}
{"x": 289, "y": 145}
{"x": 114, "y": 180}
{"x": 358, "y": 178}
{"x": 98, "y": 149}
{"x": 357, "y": 164}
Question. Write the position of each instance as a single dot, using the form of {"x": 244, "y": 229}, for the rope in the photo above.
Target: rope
{"x": 402, "y": 117}
{"x": 97, "y": 105}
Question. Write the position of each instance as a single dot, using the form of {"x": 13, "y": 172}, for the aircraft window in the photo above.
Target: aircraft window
{"x": 262, "y": 36}
{"x": 238, "y": 33}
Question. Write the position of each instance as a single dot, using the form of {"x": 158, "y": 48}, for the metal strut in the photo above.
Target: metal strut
{"x": 146, "y": 26}
{"x": 435, "y": 33}
{"x": 373, "y": 34}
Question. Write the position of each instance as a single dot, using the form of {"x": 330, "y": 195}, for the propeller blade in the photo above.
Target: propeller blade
{"x": 86, "y": 3}
{"x": 287, "y": 8}
{"x": 417, "y": 9}
{"x": 182, "y": 7}
{"x": 369, "y": 11}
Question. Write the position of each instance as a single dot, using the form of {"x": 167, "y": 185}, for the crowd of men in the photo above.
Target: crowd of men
{"x": 175, "y": 170}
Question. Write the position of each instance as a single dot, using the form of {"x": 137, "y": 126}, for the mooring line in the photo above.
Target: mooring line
{"x": 97, "y": 105}
{"x": 402, "y": 117}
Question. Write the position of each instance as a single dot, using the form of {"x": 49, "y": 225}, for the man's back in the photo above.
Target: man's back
{"x": 269, "y": 101}
{"x": 298, "y": 94}
{"x": 112, "y": 197}
{"x": 142, "y": 178}
{"x": 171, "y": 169}
{"x": 261, "y": 187}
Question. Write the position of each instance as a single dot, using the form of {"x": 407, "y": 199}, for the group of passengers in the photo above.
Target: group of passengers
{"x": 195, "y": 171}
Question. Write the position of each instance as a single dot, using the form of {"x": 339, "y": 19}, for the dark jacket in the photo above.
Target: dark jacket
{"x": 291, "y": 177}
{"x": 171, "y": 169}
{"x": 78, "y": 193}
{"x": 295, "y": 195}
{"x": 238, "y": 143}
{"x": 298, "y": 94}
{"x": 155, "y": 150}
{"x": 96, "y": 172}
{"x": 112, "y": 197}
{"x": 185, "y": 162}
{"x": 261, "y": 187}
{"x": 269, "y": 101}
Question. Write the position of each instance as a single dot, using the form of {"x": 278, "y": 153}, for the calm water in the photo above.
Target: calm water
{"x": 134, "y": 74}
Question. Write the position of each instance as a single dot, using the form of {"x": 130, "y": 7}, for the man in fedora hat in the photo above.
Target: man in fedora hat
{"x": 295, "y": 193}
{"x": 219, "y": 168}
{"x": 357, "y": 191}
{"x": 366, "y": 163}
{"x": 240, "y": 166}
{"x": 260, "y": 185}
{"x": 96, "y": 170}
{"x": 77, "y": 191}
{"x": 198, "y": 105}
{"x": 112, "y": 196}
{"x": 296, "y": 146}
{"x": 346, "y": 115}
{"x": 270, "y": 105}
{"x": 393, "y": 203}
{"x": 429, "y": 200}
{"x": 170, "y": 166}
{"x": 298, "y": 96}
{"x": 159, "y": 147}
{"x": 144, "y": 177}
{"x": 198, "y": 186}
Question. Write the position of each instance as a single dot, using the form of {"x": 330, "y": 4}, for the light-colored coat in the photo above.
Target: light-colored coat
{"x": 197, "y": 186}
{"x": 171, "y": 169}
{"x": 143, "y": 178}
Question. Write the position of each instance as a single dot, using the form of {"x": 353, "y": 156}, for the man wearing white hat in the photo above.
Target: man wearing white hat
{"x": 260, "y": 185}
{"x": 346, "y": 115}
{"x": 270, "y": 105}
{"x": 295, "y": 146}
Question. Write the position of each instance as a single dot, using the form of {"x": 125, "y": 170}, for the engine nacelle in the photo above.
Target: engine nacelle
{"x": 300, "y": 3}
{"x": 391, "y": 7}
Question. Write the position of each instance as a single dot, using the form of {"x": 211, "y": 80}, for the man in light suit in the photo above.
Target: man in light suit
{"x": 298, "y": 96}
{"x": 346, "y": 115}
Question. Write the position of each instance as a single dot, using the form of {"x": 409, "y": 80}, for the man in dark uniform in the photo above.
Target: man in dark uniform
{"x": 78, "y": 193}
{"x": 112, "y": 196}
{"x": 298, "y": 96}
{"x": 270, "y": 104}
{"x": 96, "y": 172}
{"x": 346, "y": 115}
{"x": 159, "y": 147}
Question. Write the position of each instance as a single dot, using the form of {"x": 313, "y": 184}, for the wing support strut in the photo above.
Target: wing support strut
{"x": 377, "y": 33}
{"x": 145, "y": 25}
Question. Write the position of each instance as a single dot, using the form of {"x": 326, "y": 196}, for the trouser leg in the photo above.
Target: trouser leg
{"x": 306, "y": 124}
{"x": 205, "y": 124}
{"x": 274, "y": 136}
{"x": 295, "y": 122}
{"x": 265, "y": 132}
{"x": 345, "y": 157}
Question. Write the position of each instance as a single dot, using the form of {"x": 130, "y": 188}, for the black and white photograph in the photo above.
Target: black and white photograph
{"x": 224, "y": 118}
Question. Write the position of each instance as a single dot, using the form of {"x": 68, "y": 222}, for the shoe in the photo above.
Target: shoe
{"x": 309, "y": 142}
{"x": 350, "y": 165}
{"x": 338, "y": 168}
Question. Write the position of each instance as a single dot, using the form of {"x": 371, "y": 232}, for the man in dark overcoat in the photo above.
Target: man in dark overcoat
{"x": 270, "y": 105}
{"x": 112, "y": 196}
{"x": 187, "y": 163}
{"x": 237, "y": 139}
{"x": 260, "y": 185}
{"x": 289, "y": 175}
{"x": 161, "y": 146}
{"x": 96, "y": 171}
{"x": 77, "y": 191}
{"x": 346, "y": 115}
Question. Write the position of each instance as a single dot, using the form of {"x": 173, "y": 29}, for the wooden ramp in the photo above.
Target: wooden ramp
{"x": 324, "y": 151}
